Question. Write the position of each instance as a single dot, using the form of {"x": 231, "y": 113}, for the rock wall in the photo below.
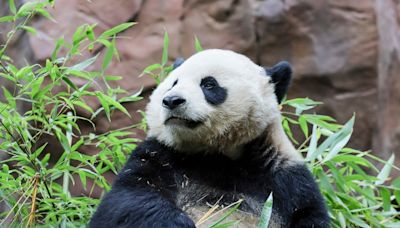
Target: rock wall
{"x": 344, "y": 52}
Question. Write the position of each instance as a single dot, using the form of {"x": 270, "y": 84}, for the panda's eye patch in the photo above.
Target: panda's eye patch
{"x": 213, "y": 92}
{"x": 208, "y": 83}
{"x": 175, "y": 82}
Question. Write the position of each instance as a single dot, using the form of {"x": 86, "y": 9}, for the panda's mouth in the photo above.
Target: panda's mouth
{"x": 179, "y": 121}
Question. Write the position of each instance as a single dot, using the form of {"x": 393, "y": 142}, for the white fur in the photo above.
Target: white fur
{"x": 250, "y": 106}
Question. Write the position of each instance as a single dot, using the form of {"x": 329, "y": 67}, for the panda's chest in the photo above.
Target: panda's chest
{"x": 202, "y": 182}
{"x": 192, "y": 192}
{"x": 205, "y": 201}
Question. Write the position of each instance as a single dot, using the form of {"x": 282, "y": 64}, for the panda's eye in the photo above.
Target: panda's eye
{"x": 175, "y": 82}
{"x": 208, "y": 83}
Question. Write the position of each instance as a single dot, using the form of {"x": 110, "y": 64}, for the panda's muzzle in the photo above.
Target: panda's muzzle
{"x": 179, "y": 121}
{"x": 174, "y": 104}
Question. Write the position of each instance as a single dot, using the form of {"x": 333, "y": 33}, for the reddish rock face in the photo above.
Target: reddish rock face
{"x": 388, "y": 118}
{"x": 344, "y": 52}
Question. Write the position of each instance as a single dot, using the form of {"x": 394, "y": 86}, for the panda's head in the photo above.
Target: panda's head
{"x": 216, "y": 101}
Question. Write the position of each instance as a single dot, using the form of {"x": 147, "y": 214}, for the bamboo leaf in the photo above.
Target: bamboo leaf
{"x": 197, "y": 45}
{"x": 11, "y": 4}
{"x": 386, "y": 199}
{"x": 385, "y": 172}
{"x": 312, "y": 148}
{"x": 303, "y": 125}
{"x": 117, "y": 29}
{"x": 164, "y": 58}
{"x": 83, "y": 65}
{"x": 6, "y": 19}
{"x": 115, "y": 104}
{"x": 104, "y": 104}
{"x": 266, "y": 212}
{"x": 233, "y": 208}
{"x": 108, "y": 55}
{"x": 337, "y": 147}
{"x": 10, "y": 98}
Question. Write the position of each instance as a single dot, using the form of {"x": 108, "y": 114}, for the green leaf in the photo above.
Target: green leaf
{"x": 341, "y": 142}
{"x": 303, "y": 125}
{"x": 36, "y": 87}
{"x": 112, "y": 78}
{"x": 82, "y": 177}
{"x": 285, "y": 124}
{"x": 83, "y": 65}
{"x": 385, "y": 172}
{"x": 83, "y": 105}
{"x": 132, "y": 98}
{"x": 335, "y": 141}
{"x": 301, "y": 104}
{"x": 266, "y": 212}
{"x": 397, "y": 196}
{"x": 6, "y": 169}
{"x": 108, "y": 55}
{"x": 6, "y": 19}
{"x": 45, "y": 159}
{"x": 7, "y": 76}
{"x": 77, "y": 145}
{"x": 104, "y": 104}
{"x": 79, "y": 35}
{"x": 70, "y": 83}
{"x": 45, "y": 14}
{"x": 164, "y": 58}
{"x": 386, "y": 199}
{"x": 197, "y": 45}
{"x": 114, "y": 103}
{"x": 10, "y": 98}
{"x": 150, "y": 69}
{"x": 11, "y": 4}
{"x": 59, "y": 44}
{"x": 341, "y": 219}
{"x": 105, "y": 42}
{"x": 39, "y": 150}
{"x": 90, "y": 33}
{"x": 312, "y": 148}
{"x": 227, "y": 224}
{"x": 321, "y": 121}
{"x": 43, "y": 91}
{"x": 117, "y": 29}
{"x": 343, "y": 158}
{"x": 233, "y": 208}
{"x": 29, "y": 7}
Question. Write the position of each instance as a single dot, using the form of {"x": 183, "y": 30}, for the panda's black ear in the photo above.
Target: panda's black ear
{"x": 177, "y": 63}
{"x": 281, "y": 75}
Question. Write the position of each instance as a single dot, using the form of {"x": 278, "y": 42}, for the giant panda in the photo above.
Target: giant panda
{"x": 214, "y": 136}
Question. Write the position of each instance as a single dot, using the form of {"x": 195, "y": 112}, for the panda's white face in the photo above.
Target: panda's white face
{"x": 216, "y": 101}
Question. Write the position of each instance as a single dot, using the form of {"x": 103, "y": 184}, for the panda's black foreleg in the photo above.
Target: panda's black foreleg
{"x": 143, "y": 194}
{"x": 297, "y": 199}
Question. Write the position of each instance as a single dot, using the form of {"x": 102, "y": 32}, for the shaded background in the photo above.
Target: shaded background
{"x": 345, "y": 53}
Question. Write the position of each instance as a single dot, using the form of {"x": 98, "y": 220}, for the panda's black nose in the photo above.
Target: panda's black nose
{"x": 172, "y": 102}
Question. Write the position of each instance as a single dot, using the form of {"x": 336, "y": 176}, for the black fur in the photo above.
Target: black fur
{"x": 213, "y": 92}
{"x": 298, "y": 201}
{"x": 281, "y": 75}
{"x": 144, "y": 193}
{"x": 146, "y": 190}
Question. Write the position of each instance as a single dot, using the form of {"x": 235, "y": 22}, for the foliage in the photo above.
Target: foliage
{"x": 357, "y": 193}
{"x": 36, "y": 193}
